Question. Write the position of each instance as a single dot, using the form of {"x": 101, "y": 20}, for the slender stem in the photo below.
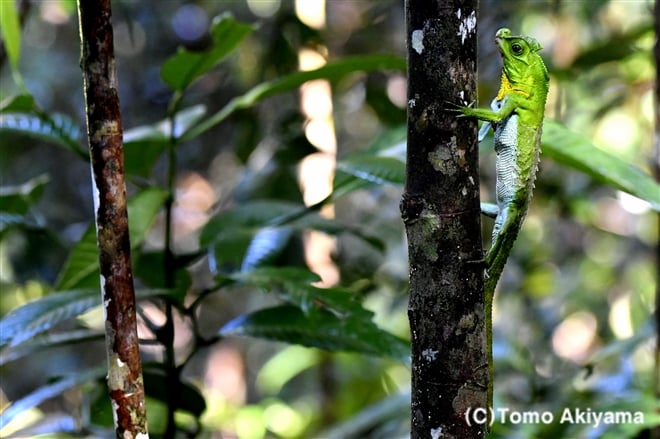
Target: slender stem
{"x": 172, "y": 378}
{"x": 171, "y": 188}
{"x": 167, "y": 331}
{"x": 104, "y": 131}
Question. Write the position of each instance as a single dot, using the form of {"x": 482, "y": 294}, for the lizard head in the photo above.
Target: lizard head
{"x": 522, "y": 62}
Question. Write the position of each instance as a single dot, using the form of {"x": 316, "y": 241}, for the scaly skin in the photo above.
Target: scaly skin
{"x": 516, "y": 116}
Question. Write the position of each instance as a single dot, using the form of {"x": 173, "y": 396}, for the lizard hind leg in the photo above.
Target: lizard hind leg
{"x": 499, "y": 229}
{"x": 505, "y": 232}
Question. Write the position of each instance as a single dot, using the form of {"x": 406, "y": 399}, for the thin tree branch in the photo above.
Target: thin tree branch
{"x": 104, "y": 131}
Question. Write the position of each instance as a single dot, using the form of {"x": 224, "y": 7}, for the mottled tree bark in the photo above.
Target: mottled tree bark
{"x": 440, "y": 208}
{"x": 104, "y": 132}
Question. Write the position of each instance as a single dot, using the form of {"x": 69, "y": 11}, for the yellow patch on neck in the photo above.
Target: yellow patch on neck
{"x": 507, "y": 88}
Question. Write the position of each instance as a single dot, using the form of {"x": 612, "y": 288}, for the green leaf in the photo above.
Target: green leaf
{"x": 575, "y": 150}
{"x": 361, "y": 171}
{"x": 293, "y": 285}
{"x": 248, "y": 216}
{"x": 339, "y": 301}
{"x": 81, "y": 270}
{"x": 57, "y": 128}
{"x": 228, "y": 250}
{"x": 18, "y": 199}
{"x": 255, "y": 233}
{"x": 230, "y": 234}
{"x": 10, "y": 30}
{"x": 248, "y": 248}
{"x": 82, "y": 267}
{"x": 183, "y": 68}
{"x": 49, "y": 391}
{"x": 265, "y": 245}
{"x": 333, "y": 70}
{"x": 315, "y": 221}
{"x": 389, "y": 143}
{"x": 9, "y": 220}
{"x": 22, "y": 103}
{"x": 45, "y": 341}
{"x": 321, "y": 329}
{"x": 140, "y": 156}
{"x": 142, "y": 210}
{"x": 374, "y": 169}
{"x": 27, "y": 321}
{"x": 267, "y": 277}
{"x": 143, "y": 145}
{"x": 381, "y": 162}
{"x": 38, "y": 316}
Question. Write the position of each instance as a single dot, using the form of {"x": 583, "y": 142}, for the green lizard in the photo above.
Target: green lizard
{"x": 517, "y": 119}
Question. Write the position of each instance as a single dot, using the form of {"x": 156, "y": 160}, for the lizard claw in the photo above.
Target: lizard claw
{"x": 457, "y": 108}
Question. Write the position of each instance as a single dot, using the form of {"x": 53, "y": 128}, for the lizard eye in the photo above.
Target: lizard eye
{"x": 517, "y": 49}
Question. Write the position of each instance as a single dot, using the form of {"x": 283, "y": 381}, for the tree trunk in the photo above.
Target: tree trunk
{"x": 104, "y": 133}
{"x": 440, "y": 208}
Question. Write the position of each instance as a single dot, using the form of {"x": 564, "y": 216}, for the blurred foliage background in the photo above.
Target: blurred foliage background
{"x": 573, "y": 315}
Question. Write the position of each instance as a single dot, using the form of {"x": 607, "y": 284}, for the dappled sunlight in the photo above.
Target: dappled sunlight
{"x": 397, "y": 90}
{"x": 311, "y": 12}
{"x": 632, "y": 204}
{"x": 318, "y": 255}
{"x": 264, "y": 8}
{"x": 619, "y": 133}
{"x": 610, "y": 216}
{"x": 56, "y": 12}
{"x": 224, "y": 377}
{"x": 316, "y": 171}
{"x": 574, "y": 338}
{"x": 619, "y": 318}
{"x": 194, "y": 198}
{"x": 151, "y": 315}
{"x": 283, "y": 420}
